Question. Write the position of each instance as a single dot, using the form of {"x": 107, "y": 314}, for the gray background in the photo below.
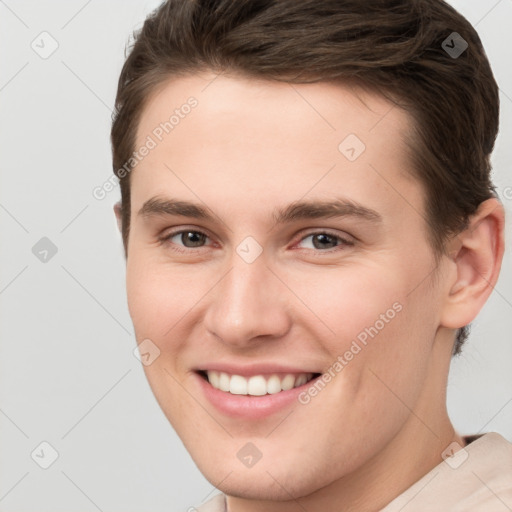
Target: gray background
{"x": 67, "y": 369}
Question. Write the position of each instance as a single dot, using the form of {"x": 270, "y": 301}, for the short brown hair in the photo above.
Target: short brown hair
{"x": 397, "y": 48}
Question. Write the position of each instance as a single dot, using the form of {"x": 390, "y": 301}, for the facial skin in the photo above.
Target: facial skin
{"x": 248, "y": 149}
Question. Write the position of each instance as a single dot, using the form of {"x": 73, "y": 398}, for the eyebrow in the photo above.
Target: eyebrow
{"x": 298, "y": 210}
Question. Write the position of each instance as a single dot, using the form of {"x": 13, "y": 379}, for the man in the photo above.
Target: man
{"x": 310, "y": 226}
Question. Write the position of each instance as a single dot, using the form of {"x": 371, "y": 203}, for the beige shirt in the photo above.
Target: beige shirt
{"x": 477, "y": 478}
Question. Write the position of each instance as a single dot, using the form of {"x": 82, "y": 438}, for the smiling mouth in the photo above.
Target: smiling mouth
{"x": 256, "y": 385}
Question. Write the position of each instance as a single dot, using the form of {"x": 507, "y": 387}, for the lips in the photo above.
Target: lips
{"x": 258, "y": 384}
{"x": 255, "y": 391}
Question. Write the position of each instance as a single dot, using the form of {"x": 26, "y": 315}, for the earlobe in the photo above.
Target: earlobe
{"x": 118, "y": 214}
{"x": 477, "y": 263}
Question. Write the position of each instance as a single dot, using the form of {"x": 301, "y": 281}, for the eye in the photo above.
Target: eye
{"x": 188, "y": 238}
{"x": 324, "y": 241}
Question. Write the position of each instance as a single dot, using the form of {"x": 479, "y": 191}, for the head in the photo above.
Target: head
{"x": 257, "y": 112}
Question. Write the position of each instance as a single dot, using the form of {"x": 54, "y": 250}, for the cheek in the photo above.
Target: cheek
{"x": 374, "y": 319}
{"x": 159, "y": 298}
{"x": 159, "y": 295}
{"x": 348, "y": 300}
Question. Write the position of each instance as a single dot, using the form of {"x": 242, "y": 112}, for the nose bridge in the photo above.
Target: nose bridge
{"x": 246, "y": 303}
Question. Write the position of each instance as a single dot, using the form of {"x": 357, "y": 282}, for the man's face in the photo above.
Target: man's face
{"x": 258, "y": 288}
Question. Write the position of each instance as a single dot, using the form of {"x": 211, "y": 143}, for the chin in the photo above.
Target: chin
{"x": 266, "y": 483}
{"x": 248, "y": 489}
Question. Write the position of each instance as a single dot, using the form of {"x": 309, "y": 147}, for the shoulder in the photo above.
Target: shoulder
{"x": 477, "y": 478}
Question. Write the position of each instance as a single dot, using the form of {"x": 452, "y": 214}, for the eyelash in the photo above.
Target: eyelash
{"x": 343, "y": 242}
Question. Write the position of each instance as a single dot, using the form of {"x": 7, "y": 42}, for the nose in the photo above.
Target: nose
{"x": 248, "y": 304}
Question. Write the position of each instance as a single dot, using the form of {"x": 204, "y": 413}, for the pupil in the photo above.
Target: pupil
{"x": 323, "y": 239}
{"x": 192, "y": 239}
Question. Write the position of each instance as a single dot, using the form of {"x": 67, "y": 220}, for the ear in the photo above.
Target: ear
{"x": 476, "y": 255}
{"x": 118, "y": 213}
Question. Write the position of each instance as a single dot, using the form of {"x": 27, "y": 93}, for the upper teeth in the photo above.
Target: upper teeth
{"x": 256, "y": 385}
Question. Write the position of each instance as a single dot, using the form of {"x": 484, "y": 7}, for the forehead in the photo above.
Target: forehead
{"x": 272, "y": 138}
{"x": 324, "y": 106}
